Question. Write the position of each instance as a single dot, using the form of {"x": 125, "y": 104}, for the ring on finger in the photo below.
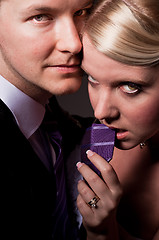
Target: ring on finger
{"x": 93, "y": 202}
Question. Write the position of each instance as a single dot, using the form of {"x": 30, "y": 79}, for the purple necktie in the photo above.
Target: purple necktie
{"x": 61, "y": 226}
{"x": 100, "y": 139}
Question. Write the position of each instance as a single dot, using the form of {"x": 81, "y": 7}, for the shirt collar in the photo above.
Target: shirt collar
{"x": 27, "y": 112}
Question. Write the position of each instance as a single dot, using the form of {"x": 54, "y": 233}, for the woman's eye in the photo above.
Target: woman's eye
{"x": 92, "y": 80}
{"x": 130, "y": 88}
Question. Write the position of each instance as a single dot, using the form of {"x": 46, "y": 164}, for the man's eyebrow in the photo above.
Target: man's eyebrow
{"x": 37, "y": 8}
{"x": 88, "y": 3}
{"x": 40, "y": 8}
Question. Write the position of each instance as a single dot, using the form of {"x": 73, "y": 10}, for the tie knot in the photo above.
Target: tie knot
{"x": 50, "y": 126}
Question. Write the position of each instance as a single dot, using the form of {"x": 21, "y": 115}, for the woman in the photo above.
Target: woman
{"x": 121, "y": 58}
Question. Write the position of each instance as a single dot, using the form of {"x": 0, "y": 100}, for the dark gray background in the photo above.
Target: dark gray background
{"x": 77, "y": 103}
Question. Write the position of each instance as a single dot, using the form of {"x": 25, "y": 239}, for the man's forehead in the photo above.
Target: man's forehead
{"x": 52, "y": 2}
{"x": 35, "y": 7}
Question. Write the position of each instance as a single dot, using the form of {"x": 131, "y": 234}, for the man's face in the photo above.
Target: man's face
{"x": 40, "y": 48}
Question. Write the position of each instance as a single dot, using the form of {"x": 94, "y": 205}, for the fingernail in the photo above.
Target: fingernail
{"x": 89, "y": 153}
{"x": 78, "y": 165}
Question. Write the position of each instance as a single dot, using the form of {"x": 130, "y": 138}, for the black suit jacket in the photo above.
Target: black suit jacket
{"x": 27, "y": 188}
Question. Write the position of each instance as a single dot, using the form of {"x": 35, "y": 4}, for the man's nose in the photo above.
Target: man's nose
{"x": 69, "y": 39}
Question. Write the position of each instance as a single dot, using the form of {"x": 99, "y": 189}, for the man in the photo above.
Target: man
{"x": 40, "y": 56}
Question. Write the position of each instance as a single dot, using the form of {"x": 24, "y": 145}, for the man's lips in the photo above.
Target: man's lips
{"x": 65, "y": 67}
{"x": 64, "y": 64}
{"x": 68, "y": 68}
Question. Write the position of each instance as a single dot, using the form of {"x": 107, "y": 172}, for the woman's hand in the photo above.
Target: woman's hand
{"x": 100, "y": 221}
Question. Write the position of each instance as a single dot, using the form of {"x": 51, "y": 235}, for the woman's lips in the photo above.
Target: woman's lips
{"x": 121, "y": 134}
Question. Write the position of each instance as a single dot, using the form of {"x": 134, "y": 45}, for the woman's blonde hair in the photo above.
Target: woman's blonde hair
{"x": 126, "y": 30}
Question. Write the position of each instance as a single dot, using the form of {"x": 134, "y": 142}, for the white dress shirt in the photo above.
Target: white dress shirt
{"x": 28, "y": 114}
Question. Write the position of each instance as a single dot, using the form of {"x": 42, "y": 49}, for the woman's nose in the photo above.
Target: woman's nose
{"x": 106, "y": 110}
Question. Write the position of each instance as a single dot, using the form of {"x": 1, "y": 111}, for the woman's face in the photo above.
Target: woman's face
{"x": 125, "y": 98}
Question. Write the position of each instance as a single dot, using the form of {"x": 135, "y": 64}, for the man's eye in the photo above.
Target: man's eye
{"x": 130, "y": 88}
{"x": 83, "y": 12}
{"x": 41, "y": 18}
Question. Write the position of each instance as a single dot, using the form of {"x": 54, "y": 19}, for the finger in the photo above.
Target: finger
{"x": 93, "y": 180}
{"x": 107, "y": 202}
{"x": 107, "y": 171}
{"x": 85, "y": 211}
{"x": 109, "y": 175}
{"x": 85, "y": 191}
